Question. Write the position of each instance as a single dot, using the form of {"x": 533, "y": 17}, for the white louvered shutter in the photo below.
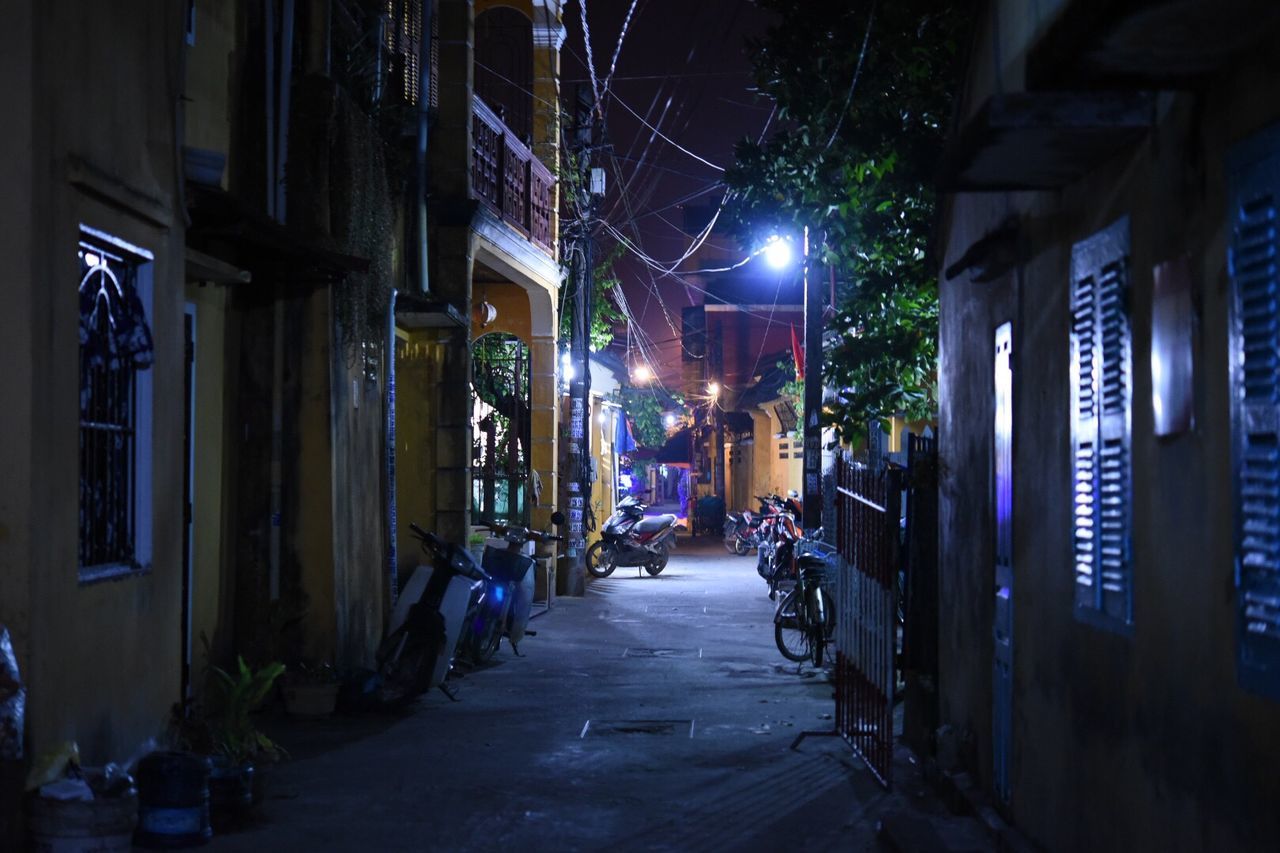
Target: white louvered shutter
{"x": 1256, "y": 432}
{"x": 1101, "y": 404}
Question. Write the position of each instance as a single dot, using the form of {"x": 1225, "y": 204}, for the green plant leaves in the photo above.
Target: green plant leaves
{"x": 867, "y": 197}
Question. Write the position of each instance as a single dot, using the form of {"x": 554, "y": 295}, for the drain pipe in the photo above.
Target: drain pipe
{"x": 421, "y": 282}
{"x": 393, "y": 570}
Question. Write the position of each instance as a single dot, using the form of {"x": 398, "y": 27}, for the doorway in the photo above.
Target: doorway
{"x": 188, "y": 480}
{"x": 1002, "y": 627}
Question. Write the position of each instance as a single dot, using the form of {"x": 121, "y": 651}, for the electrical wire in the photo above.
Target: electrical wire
{"x": 613, "y": 63}
{"x": 857, "y": 72}
{"x": 668, "y": 139}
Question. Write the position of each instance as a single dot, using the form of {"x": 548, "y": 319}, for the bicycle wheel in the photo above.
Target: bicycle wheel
{"x": 791, "y": 630}
{"x": 821, "y": 622}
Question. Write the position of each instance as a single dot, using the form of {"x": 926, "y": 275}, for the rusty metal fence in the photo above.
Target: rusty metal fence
{"x": 868, "y": 510}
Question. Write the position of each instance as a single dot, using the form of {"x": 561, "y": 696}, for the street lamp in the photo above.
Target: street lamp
{"x": 642, "y": 373}
{"x": 713, "y": 388}
{"x": 778, "y": 254}
{"x": 669, "y": 421}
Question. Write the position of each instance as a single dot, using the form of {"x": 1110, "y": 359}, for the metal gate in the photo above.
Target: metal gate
{"x": 867, "y": 537}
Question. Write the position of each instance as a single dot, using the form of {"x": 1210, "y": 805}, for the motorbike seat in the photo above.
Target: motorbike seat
{"x": 654, "y": 523}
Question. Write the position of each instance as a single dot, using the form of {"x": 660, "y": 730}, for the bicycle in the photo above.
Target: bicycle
{"x": 805, "y": 618}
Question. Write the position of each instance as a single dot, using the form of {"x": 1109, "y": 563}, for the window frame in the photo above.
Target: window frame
{"x": 1253, "y": 173}
{"x": 140, "y": 562}
{"x": 1103, "y": 260}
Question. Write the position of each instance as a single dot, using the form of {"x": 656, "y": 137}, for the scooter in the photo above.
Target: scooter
{"x": 427, "y": 620}
{"x": 501, "y": 607}
{"x": 630, "y": 538}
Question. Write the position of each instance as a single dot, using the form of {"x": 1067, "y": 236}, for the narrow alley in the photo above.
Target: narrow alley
{"x": 652, "y": 714}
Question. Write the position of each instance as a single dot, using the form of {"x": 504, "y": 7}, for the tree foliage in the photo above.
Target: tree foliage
{"x": 605, "y": 314}
{"x": 646, "y": 410}
{"x": 854, "y": 164}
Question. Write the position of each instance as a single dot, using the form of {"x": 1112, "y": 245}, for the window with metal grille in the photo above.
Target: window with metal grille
{"x": 1254, "y": 199}
{"x": 402, "y": 37}
{"x": 1101, "y": 404}
{"x": 115, "y": 407}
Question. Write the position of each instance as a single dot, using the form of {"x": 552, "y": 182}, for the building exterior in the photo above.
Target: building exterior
{"x": 92, "y": 335}
{"x": 1109, "y": 639}
{"x": 265, "y": 369}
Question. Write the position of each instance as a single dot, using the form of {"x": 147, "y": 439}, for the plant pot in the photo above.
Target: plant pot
{"x": 173, "y": 800}
{"x": 230, "y": 796}
{"x": 103, "y": 824}
{"x": 310, "y": 700}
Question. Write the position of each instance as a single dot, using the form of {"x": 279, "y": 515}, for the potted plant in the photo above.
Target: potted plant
{"x": 310, "y": 690}
{"x": 475, "y": 543}
{"x": 239, "y": 748}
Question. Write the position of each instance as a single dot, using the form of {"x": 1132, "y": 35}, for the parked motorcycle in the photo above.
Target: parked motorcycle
{"x": 427, "y": 620}
{"x": 502, "y": 605}
{"x": 742, "y": 532}
{"x": 630, "y": 538}
{"x": 746, "y": 531}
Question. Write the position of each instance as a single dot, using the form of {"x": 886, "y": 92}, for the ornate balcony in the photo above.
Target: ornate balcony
{"x": 509, "y": 179}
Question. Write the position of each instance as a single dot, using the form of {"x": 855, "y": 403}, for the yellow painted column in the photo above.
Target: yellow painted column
{"x": 544, "y": 429}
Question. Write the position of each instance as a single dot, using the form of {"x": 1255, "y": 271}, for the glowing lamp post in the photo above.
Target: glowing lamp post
{"x": 778, "y": 254}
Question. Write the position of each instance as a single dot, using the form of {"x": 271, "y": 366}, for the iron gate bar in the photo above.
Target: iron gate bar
{"x": 866, "y": 624}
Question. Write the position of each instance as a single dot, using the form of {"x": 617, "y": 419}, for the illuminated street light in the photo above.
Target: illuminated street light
{"x": 777, "y": 253}
{"x": 669, "y": 420}
{"x": 642, "y": 373}
{"x": 713, "y": 388}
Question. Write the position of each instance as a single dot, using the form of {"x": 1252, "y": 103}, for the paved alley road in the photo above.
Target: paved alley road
{"x": 691, "y": 710}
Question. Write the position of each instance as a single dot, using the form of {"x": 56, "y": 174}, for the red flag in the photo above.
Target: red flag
{"x": 797, "y": 352}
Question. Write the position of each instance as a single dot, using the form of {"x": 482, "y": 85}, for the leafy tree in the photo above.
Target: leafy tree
{"x": 863, "y": 93}
{"x": 605, "y": 315}
{"x": 645, "y": 409}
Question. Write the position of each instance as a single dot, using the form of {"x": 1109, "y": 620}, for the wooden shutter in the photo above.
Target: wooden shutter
{"x": 1255, "y": 185}
{"x": 1101, "y": 404}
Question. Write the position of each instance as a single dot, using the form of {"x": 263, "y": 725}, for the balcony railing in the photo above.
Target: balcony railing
{"x": 508, "y": 178}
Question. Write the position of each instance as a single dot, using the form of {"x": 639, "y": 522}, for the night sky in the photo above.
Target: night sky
{"x": 685, "y": 68}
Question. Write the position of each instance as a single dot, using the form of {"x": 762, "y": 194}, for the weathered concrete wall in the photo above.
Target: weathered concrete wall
{"x": 96, "y": 86}
{"x": 1120, "y": 742}
{"x": 418, "y": 366}
{"x": 18, "y": 327}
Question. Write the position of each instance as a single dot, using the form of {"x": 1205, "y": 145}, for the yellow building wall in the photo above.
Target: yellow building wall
{"x": 209, "y": 68}
{"x": 209, "y": 522}
{"x": 419, "y": 361}
{"x": 777, "y": 463}
{"x": 512, "y": 302}
{"x": 603, "y": 495}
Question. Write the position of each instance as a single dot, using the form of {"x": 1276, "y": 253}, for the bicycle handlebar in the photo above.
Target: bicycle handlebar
{"x": 524, "y": 533}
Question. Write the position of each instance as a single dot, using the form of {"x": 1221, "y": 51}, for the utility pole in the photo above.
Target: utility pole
{"x": 577, "y": 468}
{"x": 812, "y": 394}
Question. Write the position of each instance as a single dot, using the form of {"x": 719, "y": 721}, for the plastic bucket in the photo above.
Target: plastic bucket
{"x": 173, "y": 800}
